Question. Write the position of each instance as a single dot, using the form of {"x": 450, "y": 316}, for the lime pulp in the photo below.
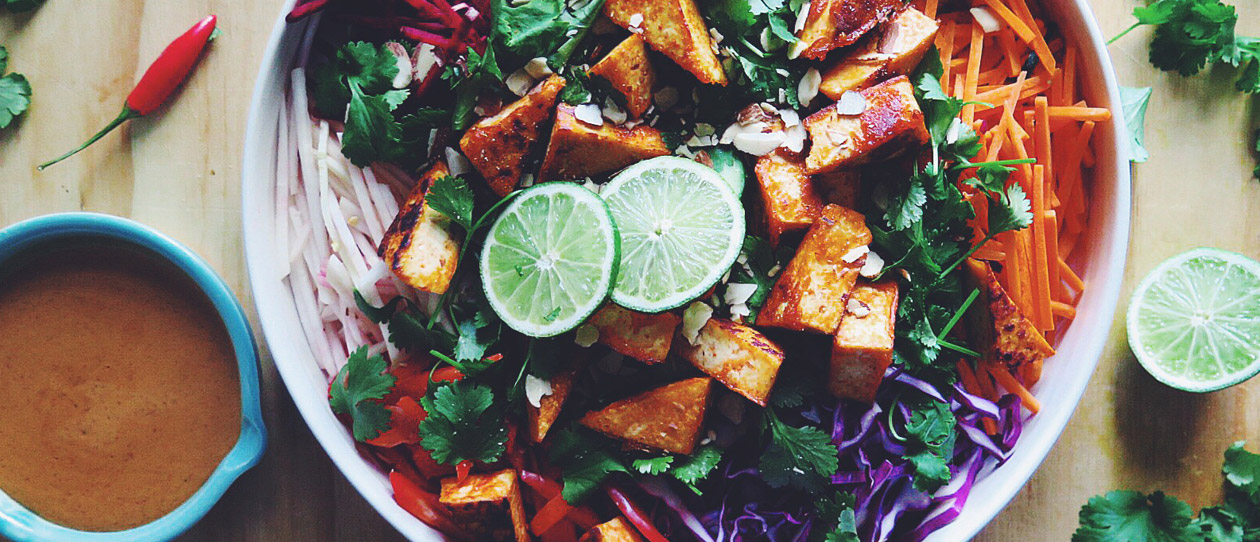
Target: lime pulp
{"x": 550, "y": 259}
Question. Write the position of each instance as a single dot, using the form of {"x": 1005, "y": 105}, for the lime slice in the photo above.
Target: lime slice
{"x": 681, "y": 229}
{"x": 1194, "y": 322}
{"x": 550, "y": 259}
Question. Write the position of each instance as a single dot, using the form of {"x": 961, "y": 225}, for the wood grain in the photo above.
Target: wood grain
{"x": 179, "y": 172}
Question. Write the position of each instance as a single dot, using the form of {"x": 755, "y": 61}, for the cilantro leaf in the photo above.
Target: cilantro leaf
{"x": 478, "y": 327}
{"x": 1257, "y": 170}
{"x": 19, "y": 6}
{"x": 584, "y": 461}
{"x": 15, "y": 97}
{"x": 652, "y": 466}
{"x": 930, "y": 438}
{"x": 803, "y": 457}
{"x": 371, "y": 129}
{"x": 1012, "y": 212}
{"x": 463, "y": 424}
{"x": 1129, "y": 516}
{"x": 1188, "y": 32}
{"x": 550, "y": 28}
{"x": 906, "y": 209}
{"x": 477, "y": 72}
{"x": 452, "y": 197}
{"x": 357, "y": 391}
{"x": 1133, "y": 102}
{"x": 696, "y": 467}
{"x": 1242, "y": 470}
{"x": 4, "y": 59}
{"x": 837, "y": 521}
{"x": 367, "y": 65}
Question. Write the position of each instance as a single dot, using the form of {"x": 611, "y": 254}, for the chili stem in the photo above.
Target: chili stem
{"x": 126, "y": 115}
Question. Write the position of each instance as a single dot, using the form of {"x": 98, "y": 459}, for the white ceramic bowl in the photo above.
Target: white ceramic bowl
{"x": 1065, "y": 377}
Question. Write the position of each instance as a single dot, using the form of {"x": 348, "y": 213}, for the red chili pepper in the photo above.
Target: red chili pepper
{"x": 636, "y": 517}
{"x": 160, "y": 80}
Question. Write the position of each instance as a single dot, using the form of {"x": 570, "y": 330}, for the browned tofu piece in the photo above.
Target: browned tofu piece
{"x": 498, "y": 146}
{"x": 645, "y": 337}
{"x": 863, "y": 346}
{"x": 667, "y": 418}
{"x": 897, "y": 51}
{"x": 542, "y": 417}
{"x": 421, "y": 245}
{"x": 488, "y": 506}
{"x": 832, "y": 24}
{"x": 998, "y": 330}
{"x": 579, "y": 150}
{"x": 617, "y": 530}
{"x": 629, "y": 70}
{"x": 789, "y": 202}
{"x": 738, "y": 356}
{"x": 840, "y": 187}
{"x": 892, "y": 118}
{"x": 675, "y": 29}
{"x": 811, "y": 293}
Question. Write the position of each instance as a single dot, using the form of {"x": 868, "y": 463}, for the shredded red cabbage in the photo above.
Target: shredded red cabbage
{"x": 740, "y": 506}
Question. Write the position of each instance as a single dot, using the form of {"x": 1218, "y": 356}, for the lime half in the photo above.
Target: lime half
{"x": 1194, "y": 322}
{"x": 550, "y": 259}
{"x": 681, "y": 229}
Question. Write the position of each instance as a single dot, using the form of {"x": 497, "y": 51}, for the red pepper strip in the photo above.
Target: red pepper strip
{"x": 543, "y": 486}
{"x": 561, "y": 532}
{"x": 632, "y": 513}
{"x": 302, "y": 10}
{"x": 549, "y": 515}
{"x": 404, "y": 424}
{"x": 423, "y": 505}
{"x": 160, "y": 80}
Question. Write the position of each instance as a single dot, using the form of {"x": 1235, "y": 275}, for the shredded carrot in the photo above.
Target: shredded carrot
{"x": 930, "y": 8}
{"x": 1070, "y": 277}
{"x": 1041, "y": 261}
{"x": 1063, "y": 309}
{"x": 1030, "y": 372}
{"x": 1051, "y": 225}
{"x": 1003, "y": 377}
{"x": 1071, "y": 112}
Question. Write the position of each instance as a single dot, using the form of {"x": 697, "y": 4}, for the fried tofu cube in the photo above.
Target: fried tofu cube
{"x": 579, "y": 150}
{"x": 629, "y": 70}
{"x": 891, "y": 119}
{"x": 789, "y": 202}
{"x": 499, "y": 146}
{"x": 543, "y": 416}
{"x": 832, "y": 24}
{"x": 421, "y": 246}
{"x": 488, "y": 506}
{"x": 863, "y": 345}
{"x": 998, "y": 330}
{"x": 617, "y": 530}
{"x": 897, "y": 51}
{"x": 645, "y": 337}
{"x": 675, "y": 29}
{"x": 840, "y": 187}
{"x": 811, "y": 293}
{"x": 738, "y": 356}
{"x": 667, "y": 418}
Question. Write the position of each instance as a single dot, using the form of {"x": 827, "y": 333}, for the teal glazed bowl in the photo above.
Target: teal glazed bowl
{"x": 19, "y": 524}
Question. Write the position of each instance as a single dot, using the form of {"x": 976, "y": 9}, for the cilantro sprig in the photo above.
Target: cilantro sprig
{"x": 801, "y": 457}
{"x": 356, "y": 85}
{"x": 925, "y": 231}
{"x": 1131, "y": 516}
{"x": 543, "y": 28}
{"x": 464, "y": 423}
{"x": 690, "y": 470}
{"x": 1190, "y": 34}
{"x": 357, "y": 391}
{"x": 15, "y": 90}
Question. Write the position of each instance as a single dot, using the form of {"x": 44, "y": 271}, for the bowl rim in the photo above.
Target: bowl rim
{"x": 21, "y": 524}
{"x": 291, "y": 360}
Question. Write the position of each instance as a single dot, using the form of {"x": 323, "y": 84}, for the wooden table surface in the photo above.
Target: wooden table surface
{"x": 179, "y": 172}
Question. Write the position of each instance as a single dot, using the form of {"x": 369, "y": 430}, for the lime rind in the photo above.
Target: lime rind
{"x": 1194, "y": 322}
{"x": 681, "y": 229}
{"x": 550, "y": 259}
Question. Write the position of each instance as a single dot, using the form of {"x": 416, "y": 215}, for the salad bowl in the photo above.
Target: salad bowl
{"x": 1102, "y": 251}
